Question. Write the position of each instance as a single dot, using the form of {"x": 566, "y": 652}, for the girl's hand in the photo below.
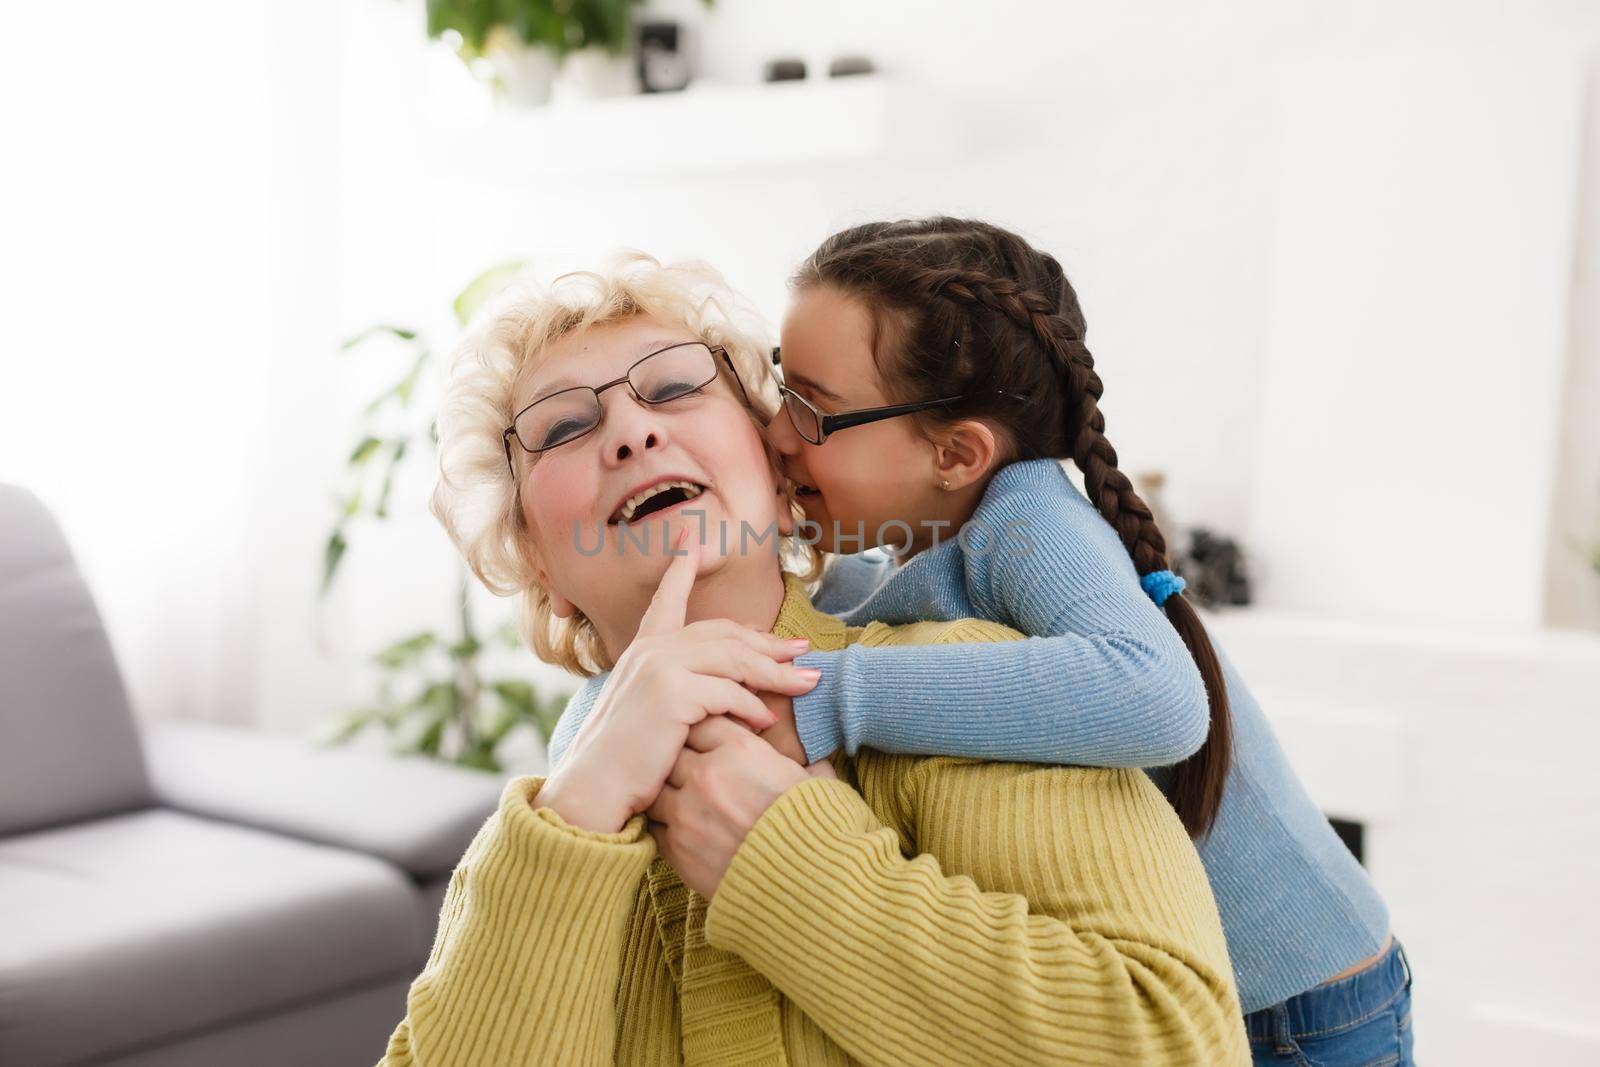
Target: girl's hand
{"x": 671, "y": 677}
{"x": 720, "y": 785}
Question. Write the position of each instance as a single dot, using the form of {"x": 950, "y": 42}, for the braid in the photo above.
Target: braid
{"x": 949, "y": 280}
{"x": 1107, "y": 486}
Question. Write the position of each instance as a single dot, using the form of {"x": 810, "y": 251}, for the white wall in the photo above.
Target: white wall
{"x": 1419, "y": 332}
{"x": 1572, "y": 587}
{"x": 136, "y": 340}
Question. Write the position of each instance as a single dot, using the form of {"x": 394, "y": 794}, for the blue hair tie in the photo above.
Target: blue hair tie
{"x": 1159, "y": 585}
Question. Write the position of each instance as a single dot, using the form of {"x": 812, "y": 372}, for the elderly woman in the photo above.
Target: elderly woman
{"x": 601, "y": 459}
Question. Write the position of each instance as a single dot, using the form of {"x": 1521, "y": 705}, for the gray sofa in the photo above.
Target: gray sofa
{"x": 183, "y": 894}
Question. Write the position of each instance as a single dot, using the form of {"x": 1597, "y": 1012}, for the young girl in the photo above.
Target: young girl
{"x": 948, "y": 357}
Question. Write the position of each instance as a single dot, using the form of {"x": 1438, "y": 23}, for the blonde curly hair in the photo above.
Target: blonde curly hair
{"x": 476, "y": 497}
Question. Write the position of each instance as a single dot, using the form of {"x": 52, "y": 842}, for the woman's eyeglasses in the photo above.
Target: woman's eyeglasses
{"x": 661, "y": 377}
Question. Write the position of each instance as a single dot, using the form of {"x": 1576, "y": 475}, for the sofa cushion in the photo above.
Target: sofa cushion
{"x": 70, "y": 751}
{"x": 146, "y": 926}
{"x": 419, "y": 814}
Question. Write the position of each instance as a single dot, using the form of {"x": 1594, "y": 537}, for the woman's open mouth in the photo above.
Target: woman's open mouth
{"x": 657, "y": 499}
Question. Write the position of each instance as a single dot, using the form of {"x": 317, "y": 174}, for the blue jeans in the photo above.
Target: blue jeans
{"x": 1360, "y": 1021}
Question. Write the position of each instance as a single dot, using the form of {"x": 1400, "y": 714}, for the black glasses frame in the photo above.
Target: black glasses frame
{"x": 510, "y": 432}
{"x": 831, "y": 424}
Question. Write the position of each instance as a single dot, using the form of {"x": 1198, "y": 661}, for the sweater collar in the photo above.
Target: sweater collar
{"x": 797, "y": 617}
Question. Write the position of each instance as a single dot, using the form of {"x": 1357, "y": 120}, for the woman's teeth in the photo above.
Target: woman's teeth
{"x": 680, "y": 493}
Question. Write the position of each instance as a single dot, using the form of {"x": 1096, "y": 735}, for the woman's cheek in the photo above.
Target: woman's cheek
{"x": 558, "y": 500}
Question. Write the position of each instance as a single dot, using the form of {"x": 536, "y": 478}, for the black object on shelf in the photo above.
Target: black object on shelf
{"x": 663, "y": 68}
{"x": 848, "y": 66}
{"x": 785, "y": 69}
{"x": 1354, "y": 836}
{"x": 1214, "y": 568}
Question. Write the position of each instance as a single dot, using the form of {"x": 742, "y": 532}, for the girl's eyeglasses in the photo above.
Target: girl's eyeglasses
{"x": 815, "y": 426}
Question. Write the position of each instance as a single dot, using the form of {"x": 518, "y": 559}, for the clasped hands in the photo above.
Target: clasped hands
{"x": 694, "y": 728}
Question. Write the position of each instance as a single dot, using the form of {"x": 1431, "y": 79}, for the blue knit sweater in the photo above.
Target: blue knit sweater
{"x": 1106, "y": 682}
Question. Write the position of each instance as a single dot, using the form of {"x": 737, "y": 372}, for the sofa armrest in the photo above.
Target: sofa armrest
{"x": 416, "y": 813}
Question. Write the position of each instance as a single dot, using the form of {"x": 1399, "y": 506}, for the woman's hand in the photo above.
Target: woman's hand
{"x": 670, "y": 678}
{"x": 723, "y": 781}
{"x": 782, "y": 734}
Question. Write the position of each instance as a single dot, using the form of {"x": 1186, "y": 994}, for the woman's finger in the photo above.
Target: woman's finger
{"x": 737, "y": 661}
{"x": 778, "y": 648}
{"x": 663, "y": 841}
{"x": 671, "y": 601}
{"x": 664, "y": 808}
{"x": 688, "y": 759}
{"x": 716, "y": 697}
{"x": 711, "y": 733}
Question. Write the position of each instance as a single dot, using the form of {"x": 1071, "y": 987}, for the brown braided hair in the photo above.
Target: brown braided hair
{"x": 964, "y": 308}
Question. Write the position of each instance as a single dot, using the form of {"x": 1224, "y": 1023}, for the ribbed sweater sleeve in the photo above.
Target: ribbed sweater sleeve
{"x": 528, "y": 959}
{"x": 1105, "y": 681}
{"x": 1119, "y": 958}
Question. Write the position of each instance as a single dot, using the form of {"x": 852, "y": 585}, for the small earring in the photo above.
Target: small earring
{"x": 944, "y": 483}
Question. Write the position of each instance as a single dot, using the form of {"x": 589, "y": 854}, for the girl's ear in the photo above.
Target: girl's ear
{"x": 964, "y": 454}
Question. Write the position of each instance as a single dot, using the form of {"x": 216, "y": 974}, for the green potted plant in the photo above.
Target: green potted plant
{"x": 434, "y": 695}
{"x": 525, "y": 42}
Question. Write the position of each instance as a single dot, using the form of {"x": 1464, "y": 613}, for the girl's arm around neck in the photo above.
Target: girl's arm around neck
{"x": 1105, "y": 680}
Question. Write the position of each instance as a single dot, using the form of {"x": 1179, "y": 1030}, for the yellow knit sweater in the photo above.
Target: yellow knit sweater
{"x": 916, "y": 911}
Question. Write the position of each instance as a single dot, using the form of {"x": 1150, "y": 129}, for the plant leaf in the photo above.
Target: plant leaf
{"x": 406, "y": 651}
{"x": 505, "y": 719}
{"x": 432, "y": 734}
{"x": 364, "y": 450}
{"x": 375, "y": 331}
{"x": 331, "y": 555}
{"x": 479, "y": 756}
{"x": 484, "y": 286}
{"x": 402, "y": 389}
{"x": 442, "y": 697}
{"x": 517, "y": 694}
{"x": 409, "y": 382}
{"x": 382, "y": 510}
{"x": 347, "y": 726}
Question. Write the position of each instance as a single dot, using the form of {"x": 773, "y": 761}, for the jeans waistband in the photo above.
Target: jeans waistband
{"x": 1337, "y": 1004}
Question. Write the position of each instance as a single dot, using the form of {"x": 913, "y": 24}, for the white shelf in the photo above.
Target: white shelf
{"x": 703, "y": 128}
